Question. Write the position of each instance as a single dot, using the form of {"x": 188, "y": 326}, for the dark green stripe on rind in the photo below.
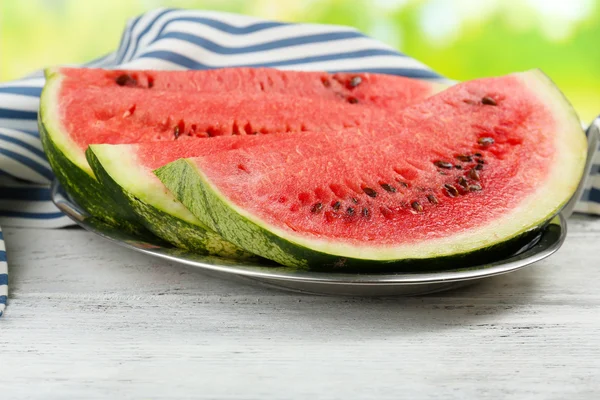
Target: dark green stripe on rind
{"x": 86, "y": 190}
{"x": 176, "y": 231}
{"x": 198, "y": 196}
{"x": 83, "y": 188}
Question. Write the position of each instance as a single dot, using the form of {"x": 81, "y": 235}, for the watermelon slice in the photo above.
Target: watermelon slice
{"x": 79, "y": 107}
{"x": 465, "y": 170}
{"x": 126, "y": 173}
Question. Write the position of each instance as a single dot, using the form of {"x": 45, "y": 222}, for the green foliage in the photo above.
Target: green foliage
{"x": 500, "y": 38}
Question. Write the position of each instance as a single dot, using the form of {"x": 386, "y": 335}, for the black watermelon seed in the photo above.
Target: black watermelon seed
{"x": 443, "y": 173}
{"x": 485, "y": 141}
{"x": 443, "y": 164}
{"x": 317, "y": 207}
{"x": 326, "y": 82}
{"x": 403, "y": 184}
{"x": 477, "y": 155}
{"x": 388, "y": 188}
{"x": 464, "y": 158}
{"x": 463, "y": 182}
{"x": 336, "y": 205}
{"x": 473, "y": 174}
{"x": 458, "y": 166}
{"x": 125, "y": 80}
{"x": 121, "y": 80}
{"x": 432, "y": 199}
{"x": 416, "y": 206}
{"x": 479, "y": 167}
{"x": 488, "y": 101}
{"x": 176, "y": 132}
{"x": 355, "y": 81}
{"x": 474, "y": 188}
{"x": 370, "y": 192}
{"x": 354, "y": 200}
{"x": 352, "y": 100}
{"x": 350, "y": 211}
{"x": 451, "y": 190}
{"x": 365, "y": 212}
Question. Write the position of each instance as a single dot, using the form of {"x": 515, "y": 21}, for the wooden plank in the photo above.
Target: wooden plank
{"x": 89, "y": 320}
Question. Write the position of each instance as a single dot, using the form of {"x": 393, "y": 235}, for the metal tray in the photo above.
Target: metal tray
{"x": 546, "y": 243}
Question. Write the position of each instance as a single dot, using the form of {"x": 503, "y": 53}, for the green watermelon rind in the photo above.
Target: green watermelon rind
{"x": 70, "y": 167}
{"x": 202, "y": 198}
{"x": 183, "y": 180}
{"x": 181, "y": 229}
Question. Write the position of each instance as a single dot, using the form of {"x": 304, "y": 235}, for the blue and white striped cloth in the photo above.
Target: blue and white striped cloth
{"x": 185, "y": 39}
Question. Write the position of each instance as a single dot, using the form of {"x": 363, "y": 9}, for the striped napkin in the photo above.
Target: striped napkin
{"x": 186, "y": 39}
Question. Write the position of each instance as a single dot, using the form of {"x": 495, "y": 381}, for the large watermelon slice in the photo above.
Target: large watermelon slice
{"x": 81, "y": 107}
{"x": 465, "y": 170}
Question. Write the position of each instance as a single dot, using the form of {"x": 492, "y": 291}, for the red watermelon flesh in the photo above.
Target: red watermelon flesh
{"x": 250, "y": 150}
{"x": 152, "y": 155}
{"x": 474, "y": 155}
{"x": 100, "y": 115}
{"x": 375, "y": 89}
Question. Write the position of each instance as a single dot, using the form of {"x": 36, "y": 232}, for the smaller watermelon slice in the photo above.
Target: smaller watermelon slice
{"x": 83, "y": 107}
{"x": 126, "y": 173}
{"x": 465, "y": 170}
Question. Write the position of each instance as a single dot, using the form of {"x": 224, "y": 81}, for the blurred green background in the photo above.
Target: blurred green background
{"x": 462, "y": 39}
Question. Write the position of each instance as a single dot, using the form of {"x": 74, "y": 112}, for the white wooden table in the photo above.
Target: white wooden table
{"x": 91, "y": 320}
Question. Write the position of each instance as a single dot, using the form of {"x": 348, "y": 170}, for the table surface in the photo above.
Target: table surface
{"x": 88, "y": 319}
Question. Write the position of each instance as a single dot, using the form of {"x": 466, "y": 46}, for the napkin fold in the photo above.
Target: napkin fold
{"x": 3, "y": 275}
{"x": 188, "y": 39}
